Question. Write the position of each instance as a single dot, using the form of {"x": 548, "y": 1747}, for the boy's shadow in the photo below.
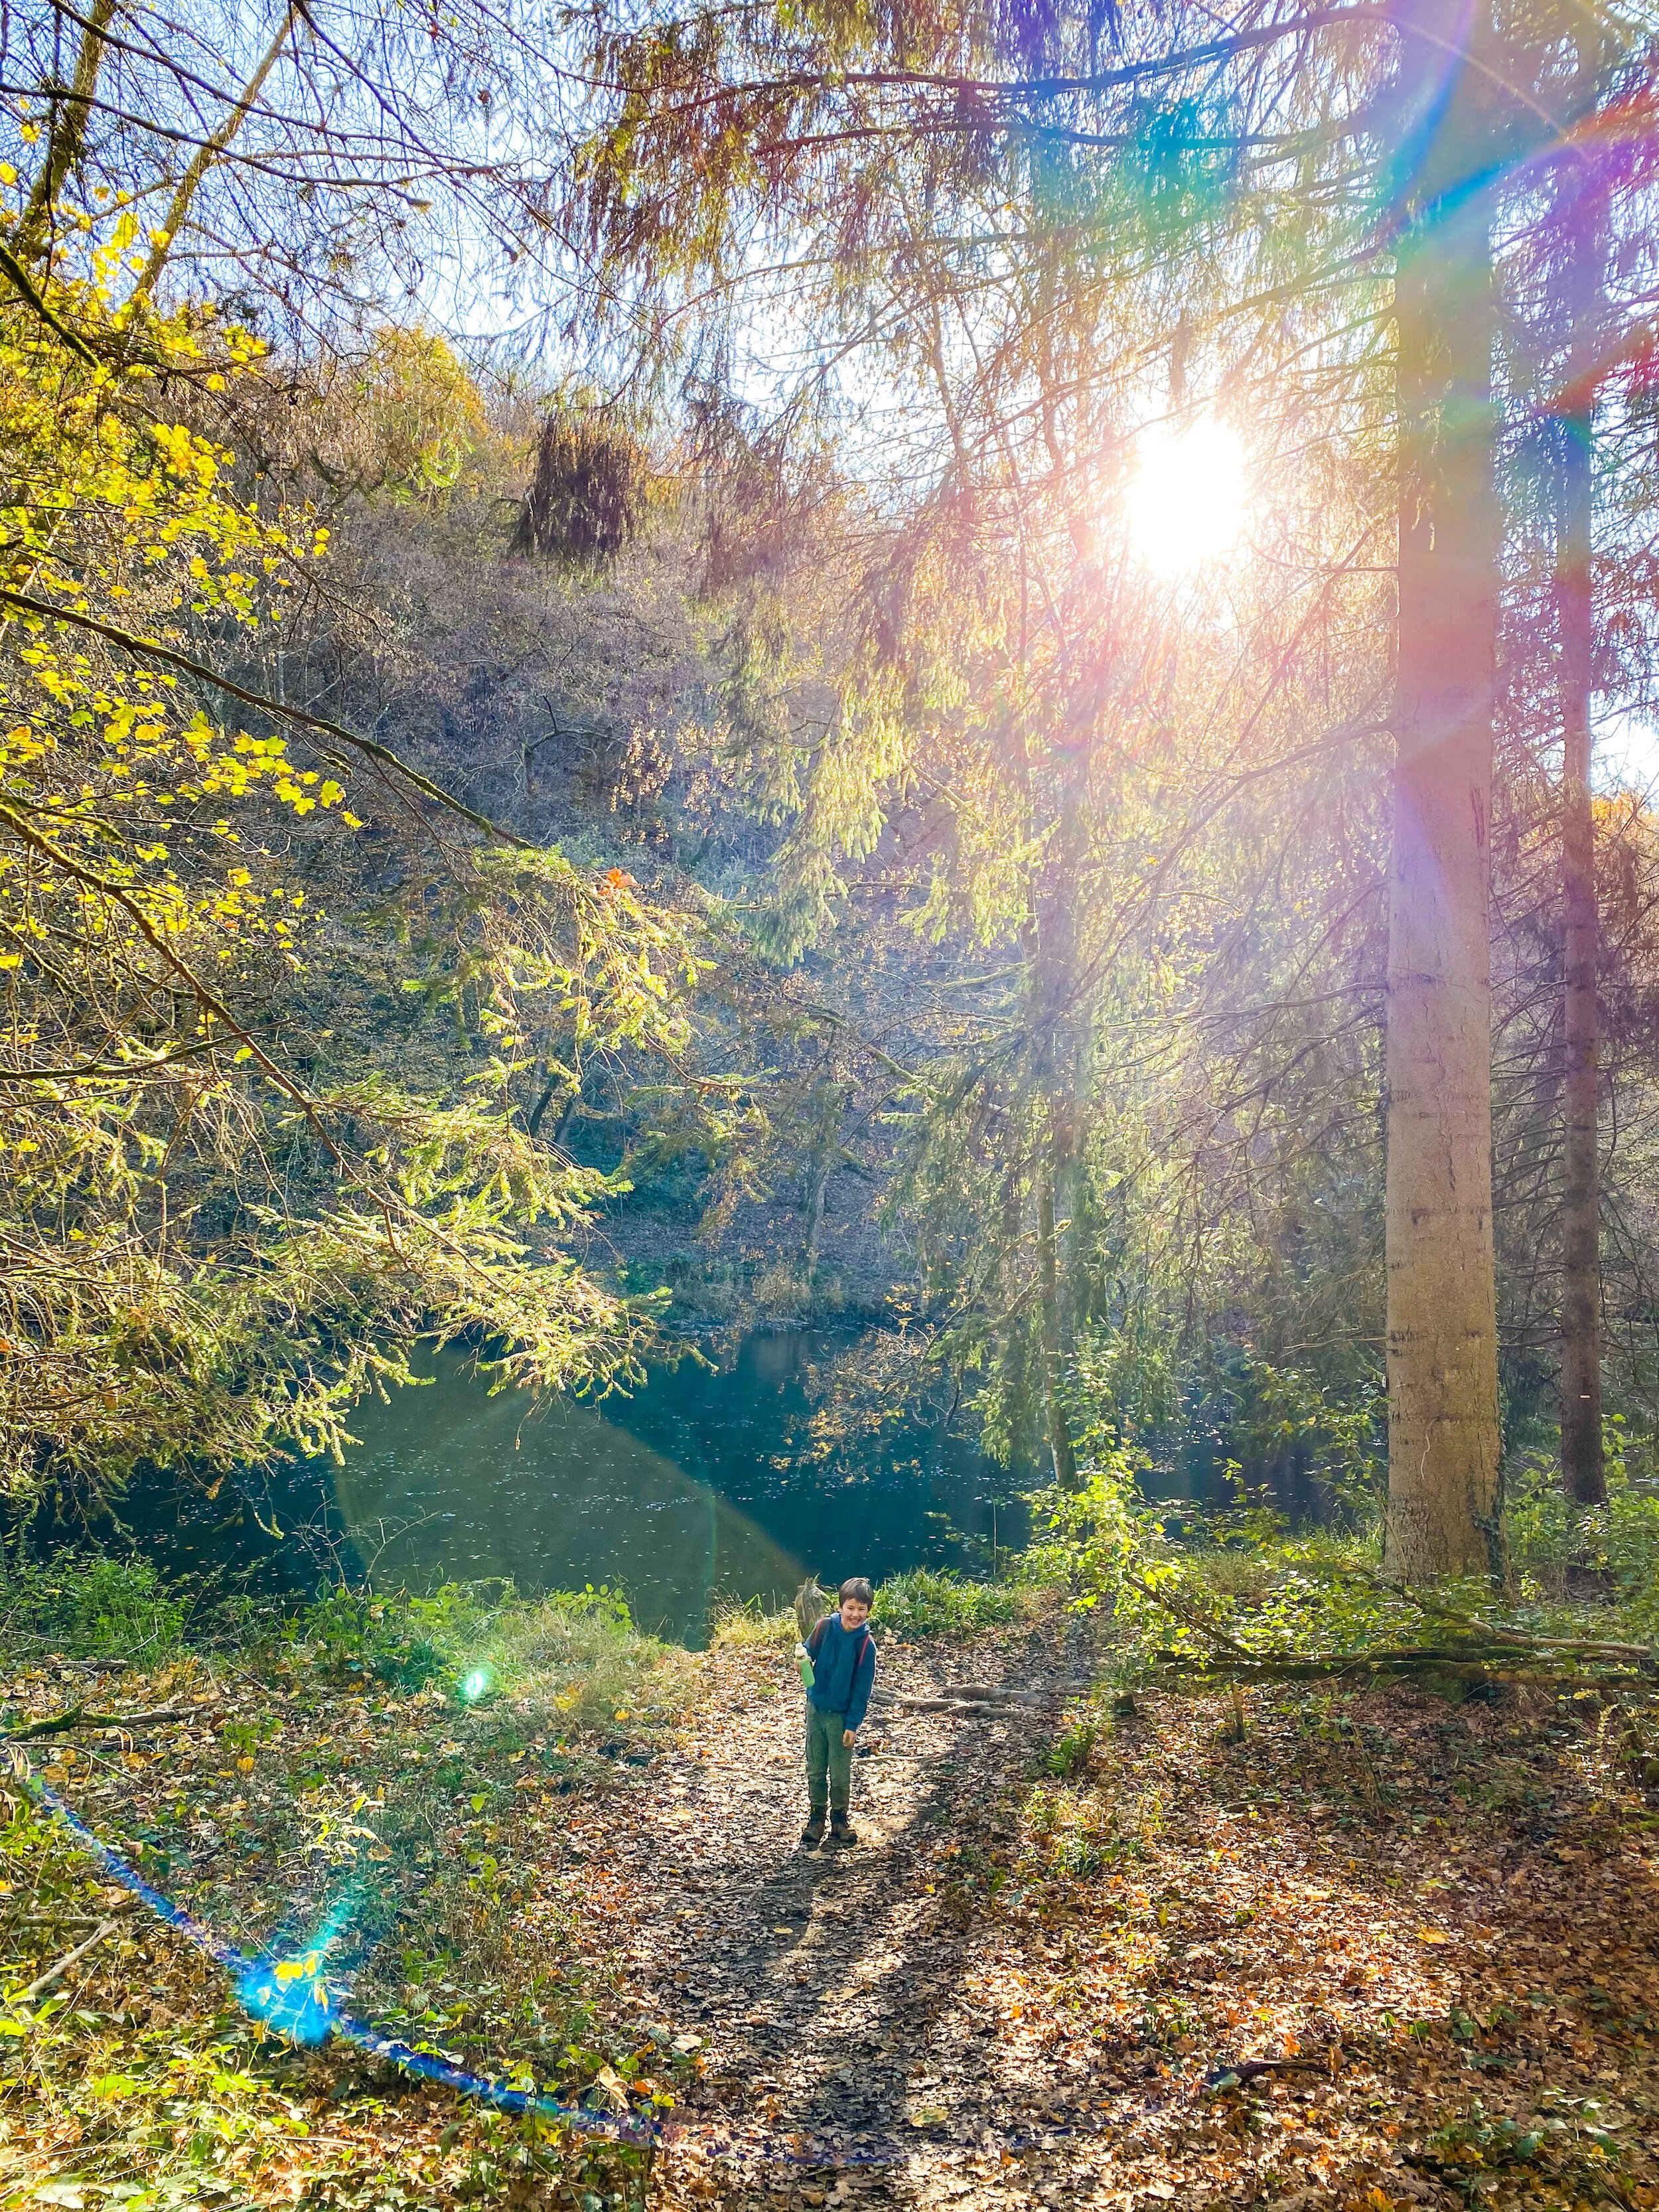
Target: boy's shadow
{"x": 832, "y": 2029}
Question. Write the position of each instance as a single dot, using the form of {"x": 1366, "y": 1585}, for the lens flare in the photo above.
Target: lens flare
{"x": 290, "y": 1996}
{"x": 474, "y": 1685}
{"x": 1187, "y": 499}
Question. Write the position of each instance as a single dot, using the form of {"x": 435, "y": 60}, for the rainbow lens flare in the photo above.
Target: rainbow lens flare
{"x": 290, "y": 1996}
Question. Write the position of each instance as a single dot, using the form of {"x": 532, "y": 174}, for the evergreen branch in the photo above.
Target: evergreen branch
{"x": 91, "y": 1069}
{"x": 807, "y": 82}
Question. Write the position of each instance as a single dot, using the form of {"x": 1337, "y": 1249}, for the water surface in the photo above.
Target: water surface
{"x": 702, "y": 1488}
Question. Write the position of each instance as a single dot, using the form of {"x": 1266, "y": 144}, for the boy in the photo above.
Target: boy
{"x": 843, "y": 1656}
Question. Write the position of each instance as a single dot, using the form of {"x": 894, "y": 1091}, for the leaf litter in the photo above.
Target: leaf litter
{"x": 1379, "y": 1952}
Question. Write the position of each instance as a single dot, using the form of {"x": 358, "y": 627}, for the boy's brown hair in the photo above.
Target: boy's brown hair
{"x": 857, "y": 1587}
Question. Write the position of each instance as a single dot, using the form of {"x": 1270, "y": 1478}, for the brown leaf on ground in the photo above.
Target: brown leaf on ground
{"x": 1383, "y": 1953}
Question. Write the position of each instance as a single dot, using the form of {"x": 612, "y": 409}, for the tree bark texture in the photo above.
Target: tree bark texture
{"x": 1059, "y": 1036}
{"x": 1582, "y": 1466}
{"x": 1443, "y": 1443}
{"x": 1060, "y": 1447}
{"x": 69, "y": 134}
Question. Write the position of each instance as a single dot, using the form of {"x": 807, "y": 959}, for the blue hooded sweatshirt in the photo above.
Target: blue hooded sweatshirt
{"x": 843, "y": 1669}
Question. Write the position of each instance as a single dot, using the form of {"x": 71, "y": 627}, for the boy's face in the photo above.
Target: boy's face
{"x": 853, "y": 1613}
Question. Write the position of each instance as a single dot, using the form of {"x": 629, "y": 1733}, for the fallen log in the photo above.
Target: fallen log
{"x": 77, "y": 1716}
{"x": 1520, "y": 1668}
{"x": 968, "y": 1698}
{"x": 956, "y": 1706}
{"x": 56, "y": 1971}
{"x": 1239, "y": 2074}
{"x": 1478, "y": 1650}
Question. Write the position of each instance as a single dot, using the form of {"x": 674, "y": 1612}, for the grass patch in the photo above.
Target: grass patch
{"x": 89, "y": 1609}
{"x": 572, "y": 1660}
{"x": 747, "y": 1628}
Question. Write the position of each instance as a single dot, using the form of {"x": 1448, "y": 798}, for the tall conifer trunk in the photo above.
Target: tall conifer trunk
{"x": 1060, "y": 1035}
{"x": 1060, "y": 1448}
{"x": 1443, "y": 1495}
{"x": 1582, "y": 245}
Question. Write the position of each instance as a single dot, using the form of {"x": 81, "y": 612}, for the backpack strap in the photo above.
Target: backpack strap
{"x": 816, "y": 1639}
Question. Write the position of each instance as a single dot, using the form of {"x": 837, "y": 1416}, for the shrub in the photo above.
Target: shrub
{"x": 1069, "y": 1753}
{"x": 1549, "y": 1535}
{"x": 1240, "y": 1583}
{"x": 350, "y": 1632}
{"x": 933, "y": 1602}
{"x": 90, "y": 1608}
{"x": 1078, "y": 1854}
{"x": 571, "y": 1660}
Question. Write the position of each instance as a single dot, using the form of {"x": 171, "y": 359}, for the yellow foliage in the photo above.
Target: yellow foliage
{"x": 204, "y": 1256}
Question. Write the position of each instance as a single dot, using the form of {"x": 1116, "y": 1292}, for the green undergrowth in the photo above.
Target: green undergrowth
{"x": 933, "y": 1602}
{"x": 572, "y": 1659}
{"x": 1559, "y": 1549}
{"x": 921, "y": 1602}
{"x": 396, "y": 1779}
{"x": 90, "y": 1608}
{"x": 1236, "y": 1587}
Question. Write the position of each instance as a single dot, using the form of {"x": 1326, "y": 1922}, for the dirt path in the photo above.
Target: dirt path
{"x": 839, "y": 1998}
{"x": 1435, "y": 1927}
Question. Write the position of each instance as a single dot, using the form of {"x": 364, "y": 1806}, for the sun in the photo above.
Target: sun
{"x": 1187, "y": 499}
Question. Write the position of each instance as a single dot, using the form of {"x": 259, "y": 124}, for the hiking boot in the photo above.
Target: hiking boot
{"x": 842, "y": 1836}
{"x": 812, "y": 1834}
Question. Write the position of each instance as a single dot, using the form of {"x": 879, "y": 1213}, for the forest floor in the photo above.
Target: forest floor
{"x": 1381, "y": 1952}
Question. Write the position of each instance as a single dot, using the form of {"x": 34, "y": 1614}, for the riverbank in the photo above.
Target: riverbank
{"x": 1381, "y": 1951}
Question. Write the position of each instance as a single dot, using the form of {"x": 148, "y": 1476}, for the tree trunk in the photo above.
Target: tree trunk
{"x": 206, "y": 155}
{"x": 1582, "y": 1467}
{"x": 1053, "y": 1367}
{"x": 1060, "y": 1068}
{"x": 1444, "y": 1493}
{"x": 68, "y": 136}
{"x": 817, "y": 1192}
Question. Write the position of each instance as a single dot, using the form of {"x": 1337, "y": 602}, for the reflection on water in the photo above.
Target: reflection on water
{"x": 452, "y": 1485}
{"x": 702, "y": 1485}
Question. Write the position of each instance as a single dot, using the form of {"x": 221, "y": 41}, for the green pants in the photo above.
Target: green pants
{"x": 829, "y": 1761}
